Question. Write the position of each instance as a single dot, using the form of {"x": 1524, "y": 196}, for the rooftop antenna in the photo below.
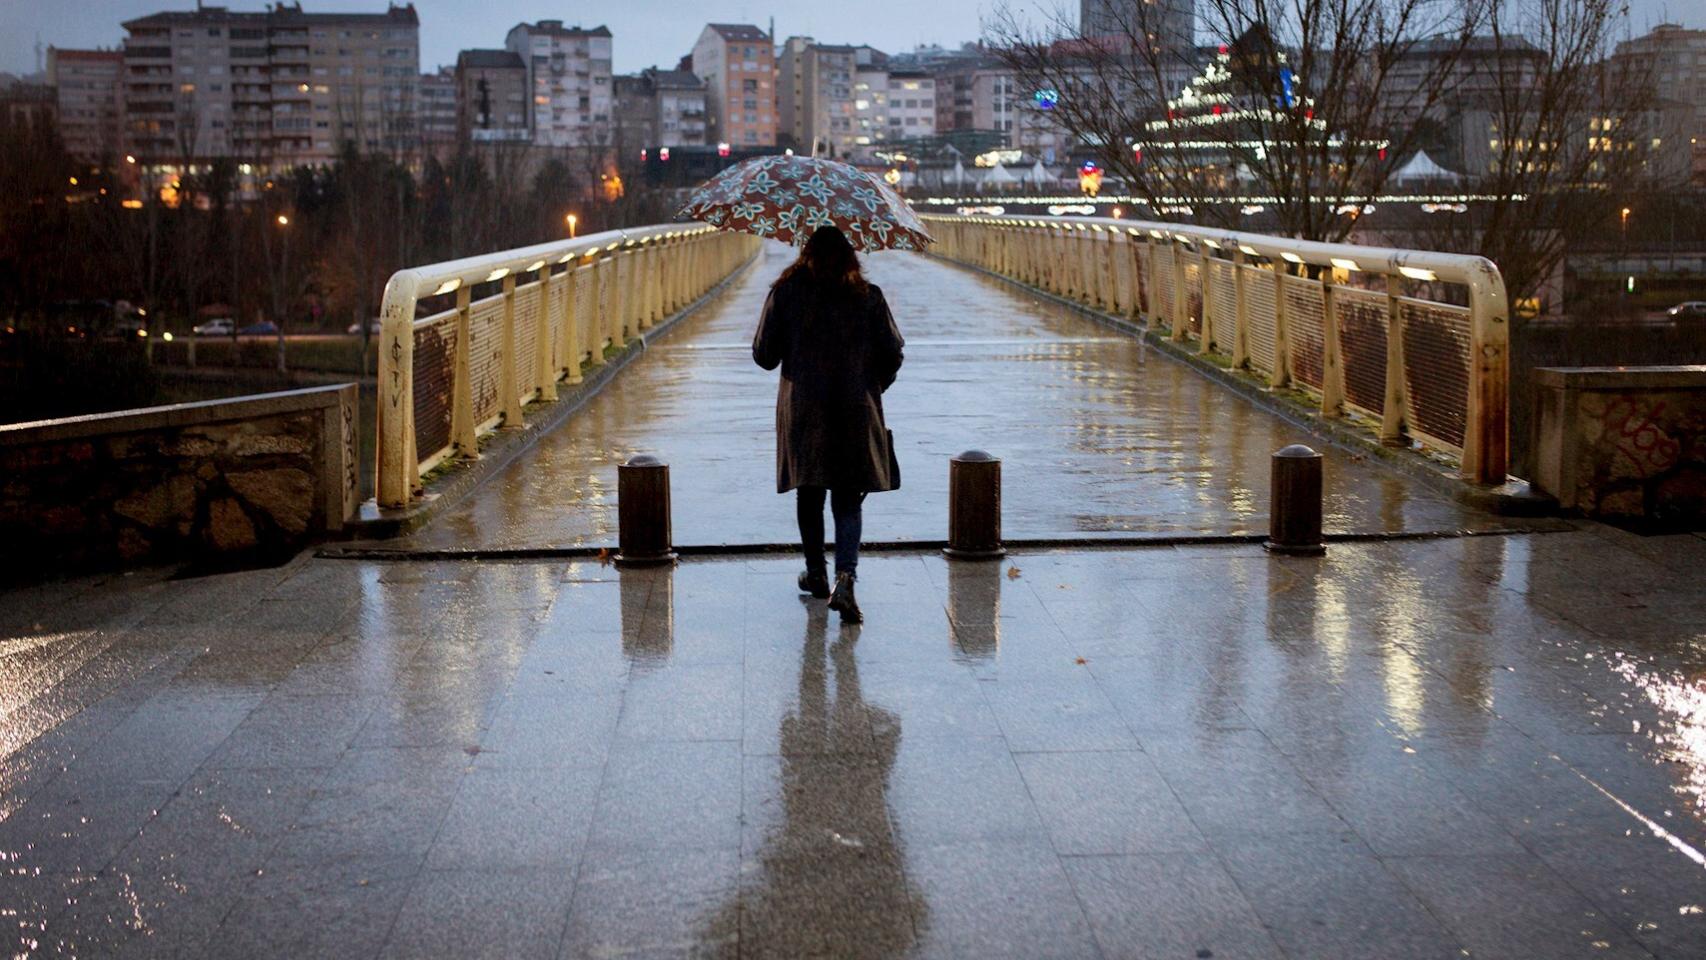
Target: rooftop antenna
{"x": 38, "y": 54}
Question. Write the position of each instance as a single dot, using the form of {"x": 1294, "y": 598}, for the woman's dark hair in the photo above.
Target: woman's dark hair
{"x": 828, "y": 261}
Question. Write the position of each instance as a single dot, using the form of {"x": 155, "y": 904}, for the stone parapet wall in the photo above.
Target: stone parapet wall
{"x": 224, "y": 480}
{"x": 1624, "y": 443}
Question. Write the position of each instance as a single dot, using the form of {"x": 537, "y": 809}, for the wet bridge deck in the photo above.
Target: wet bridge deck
{"x": 1099, "y": 435}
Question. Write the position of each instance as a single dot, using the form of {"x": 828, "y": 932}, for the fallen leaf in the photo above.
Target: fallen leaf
{"x": 1012, "y": 573}
{"x": 1081, "y": 661}
{"x": 604, "y": 556}
{"x": 473, "y": 750}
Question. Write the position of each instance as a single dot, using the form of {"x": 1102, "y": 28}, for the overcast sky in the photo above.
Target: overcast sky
{"x": 647, "y": 31}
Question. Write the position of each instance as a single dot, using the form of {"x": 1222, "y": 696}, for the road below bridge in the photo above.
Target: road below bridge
{"x": 1100, "y": 435}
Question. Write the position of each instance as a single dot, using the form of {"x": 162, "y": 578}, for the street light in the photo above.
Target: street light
{"x": 571, "y": 220}
{"x": 283, "y": 220}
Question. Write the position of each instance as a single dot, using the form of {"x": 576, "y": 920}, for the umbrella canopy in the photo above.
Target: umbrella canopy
{"x": 998, "y": 175}
{"x": 1039, "y": 174}
{"x": 959, "y": 172}
{"x": 787, "y": 198}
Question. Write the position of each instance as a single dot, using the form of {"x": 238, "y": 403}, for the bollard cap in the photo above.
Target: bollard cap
{"x": 1297, "y": 451}
{"x": 976, "y": 456}
{"x": 644, "y": 460}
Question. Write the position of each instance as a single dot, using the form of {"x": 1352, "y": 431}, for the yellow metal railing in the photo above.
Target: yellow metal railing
{"x": 1413, "y": 341}
{"x": 448, "y": 378}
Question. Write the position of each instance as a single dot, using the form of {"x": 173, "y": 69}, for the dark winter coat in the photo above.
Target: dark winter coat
{"x": 838, "y": 353}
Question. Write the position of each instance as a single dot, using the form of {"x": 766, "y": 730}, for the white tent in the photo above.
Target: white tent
{"x": 959, "y": 174}
{"x": 1422, "y": 167}
{"x": 997, "y": 176}
{"x": 1039, "y": 175}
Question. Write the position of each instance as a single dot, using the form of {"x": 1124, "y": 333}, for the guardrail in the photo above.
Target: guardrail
{"x": 448, "y": 378}
{"x": 1416, "y": 341}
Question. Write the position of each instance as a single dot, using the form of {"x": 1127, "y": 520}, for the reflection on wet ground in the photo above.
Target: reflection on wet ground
{"x": 1098, "y": 434}
{"x": 1490, "y": 747}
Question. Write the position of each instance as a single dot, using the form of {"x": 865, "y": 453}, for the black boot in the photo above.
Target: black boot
{"x": 844, "y": 601}
{"x": 815, "y": 582}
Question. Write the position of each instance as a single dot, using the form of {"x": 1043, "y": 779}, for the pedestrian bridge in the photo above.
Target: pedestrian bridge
{"x": 1103, "y": 434}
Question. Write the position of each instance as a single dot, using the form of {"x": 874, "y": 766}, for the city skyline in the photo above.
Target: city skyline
{"x": 646, "y": 32}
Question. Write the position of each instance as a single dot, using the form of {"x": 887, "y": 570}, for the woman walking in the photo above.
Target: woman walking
{"x": 839, "y": 349}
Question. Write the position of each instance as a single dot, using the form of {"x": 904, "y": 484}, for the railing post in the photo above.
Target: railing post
{"x": 1332, "y": 361}
{"x": 1084, "y": 258}
{"x": 1486, "y": 425}
{"x": 1116, "y": 272}
{"x": 545, "y": 341}
{"x": 593, "y": 325}
{"x": 1240, "y": 312}
{"x": 394, "y": 462}
{"x": 1205, "y": 278}
{"x": 649, "y": 283}
{"x": 1394, "y": 410}
{"x": 462, "y": 426}
{"x": 1181, "y": 297}
{"x": 666, "y": 276}
{"x": 1153, "y": 295}
{"x": 570, "y": 353}
{"x": 613, "y": 323}
{"x": 610, "y": 300}
{"x": 509, "y": 364}
{"x": 1282, "y": 328}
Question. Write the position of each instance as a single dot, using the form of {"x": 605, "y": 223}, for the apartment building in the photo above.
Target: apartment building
{"x": 571, "y": 93}
{"x": 870, "y": 101}
{"x": 816, "y": 82}
{"x": 491, "y": 97}
{"x": 1673, "y": 59}
{"x": 661, "y": 108}
{"x": 88, "y": 89}
{"x": 282, "y": 87}
{"x": 1170, "y": 24}
{"x": 682, "y": 112}
{"x": 437, "y": 112}
{"x": 738, "y": 64}
{"x": 911, "y": 105}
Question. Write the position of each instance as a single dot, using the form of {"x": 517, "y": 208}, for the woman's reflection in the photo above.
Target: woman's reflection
{"x": 827, "y": 878}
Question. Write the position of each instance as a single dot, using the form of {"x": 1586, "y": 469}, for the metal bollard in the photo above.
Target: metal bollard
{"x": 1294, "y": 510}
{"x": 974, "y": 507}
{"x": 642, "y": 506}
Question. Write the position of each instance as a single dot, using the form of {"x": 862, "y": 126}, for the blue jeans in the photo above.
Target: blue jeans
{"x": 849, "y": 526}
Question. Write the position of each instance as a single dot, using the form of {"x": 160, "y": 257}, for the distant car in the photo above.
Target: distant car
{"x": 373, "y": 327}
{"x": 221, "y": 327}
{"x": 130, "y": 326}
{"x": 1691, "y": 309}
{"x": 259, "y": 328}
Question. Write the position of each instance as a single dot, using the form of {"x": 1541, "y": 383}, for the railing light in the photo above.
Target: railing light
{"x": 1345, "y": 264}
{"x": 1418, "y": 273}
{"x": 1157, "y": 234}
{"x": 534, "y": 266}
{"x": 497, "y": 274}
{"x": 565, "y": 258}
{"x": 1290, "y": 257}
{"x": 448, "y": 286}
{"x": 1248, "y": 250}
{"x": 1211, "y": 243}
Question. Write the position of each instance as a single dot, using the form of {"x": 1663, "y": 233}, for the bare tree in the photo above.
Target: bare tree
{"x": 1293, "y": 107}
{"x": 1566, "y": 144}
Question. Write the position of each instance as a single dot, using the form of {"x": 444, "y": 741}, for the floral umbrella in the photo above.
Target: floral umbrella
{"x": 787, "y": 198}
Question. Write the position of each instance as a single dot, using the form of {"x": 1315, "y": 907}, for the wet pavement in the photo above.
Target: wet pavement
{"x": 1099, "y": 435}
{"x": 1489, "y": 747}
